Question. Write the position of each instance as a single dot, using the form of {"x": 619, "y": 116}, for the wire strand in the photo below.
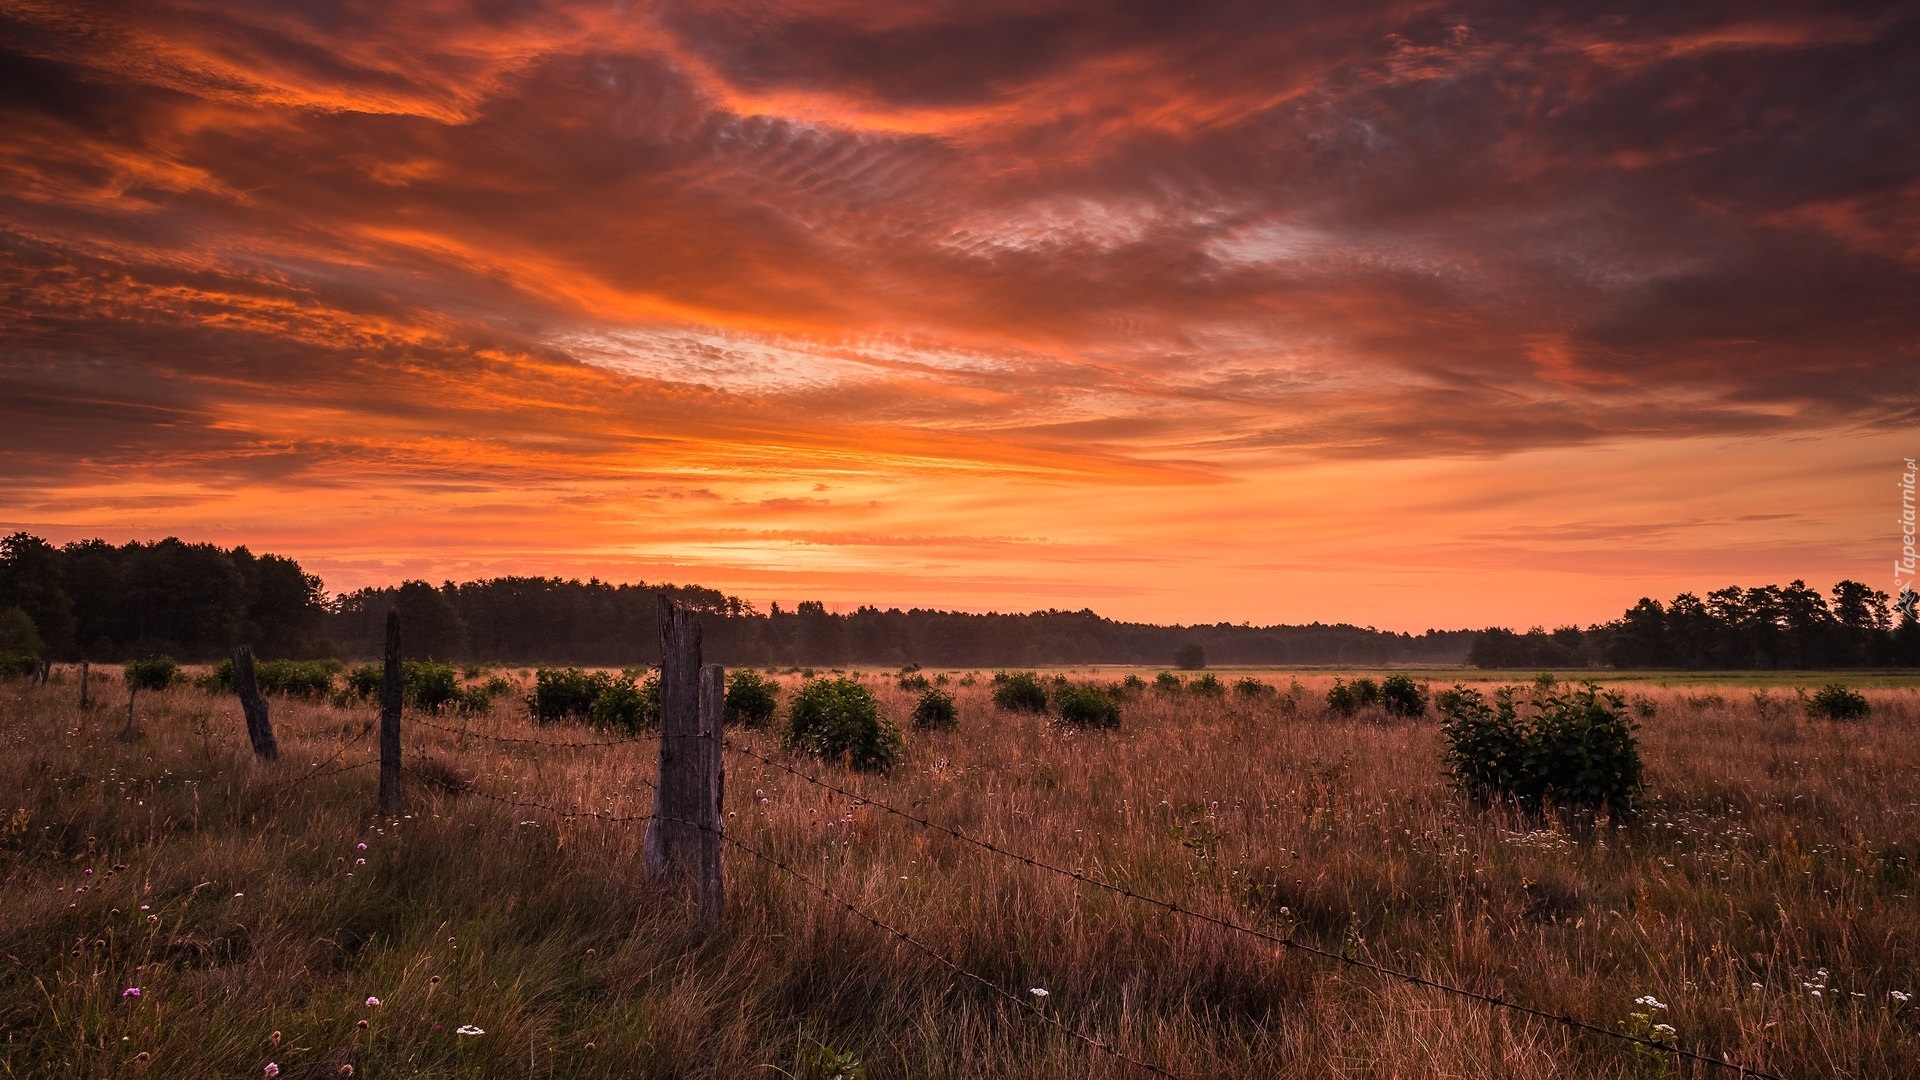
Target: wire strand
{"x": 1276, "y": 939}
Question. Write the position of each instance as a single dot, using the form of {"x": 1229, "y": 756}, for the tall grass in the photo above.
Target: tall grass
{"x": 1766, "y": 851}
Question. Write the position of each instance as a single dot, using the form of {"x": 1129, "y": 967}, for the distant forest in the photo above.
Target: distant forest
{"x": 98, "y": 601}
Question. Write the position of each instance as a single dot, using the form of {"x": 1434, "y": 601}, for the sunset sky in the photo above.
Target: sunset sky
{"x": 1395, "y": 314}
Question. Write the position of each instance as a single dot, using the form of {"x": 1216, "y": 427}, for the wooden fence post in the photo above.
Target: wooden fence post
{"x": 683, "y": 839}
{"x": 254, "y": 704}
{"x": 391, "y": 690}
{"x": 83, "y": 685}
{"x": 713, "y": 774}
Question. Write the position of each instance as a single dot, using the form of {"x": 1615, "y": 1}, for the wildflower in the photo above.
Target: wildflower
{"x": 143, "y": 907}
{"x": 1900, "y": 996}
{"x": 1036, "y": 991}
{"x": 363, "y": 845}
{"x": 130, "y": 992}
{"x": 373, "y": 1003}
{"x": 1649, "y": 1001}
{"x": 1757, "y": 986}
{"x": 1815, "y": 993}
{"x": 359, "y": 862}
{"x": 468, "y": 1029}
{"x": 1664, "y": 1029}
{"x": 271, "y": 1070}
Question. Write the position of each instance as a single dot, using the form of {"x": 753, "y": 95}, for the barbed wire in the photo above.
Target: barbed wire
{"x": 322, "y": 770}
{"x": 933, "y": 953}
{"x": 1276, "y": 939}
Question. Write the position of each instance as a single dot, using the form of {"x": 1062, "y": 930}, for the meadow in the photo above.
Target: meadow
{"x": 175, "y": 909}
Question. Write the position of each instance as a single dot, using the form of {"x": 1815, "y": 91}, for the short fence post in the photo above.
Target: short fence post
{"x": 713, "y": 769}
{"x": 683, "y": 839}
{"x": 254, "y": 704}
{"x": 390, "y": 697}
{"x": 83, "y": 685}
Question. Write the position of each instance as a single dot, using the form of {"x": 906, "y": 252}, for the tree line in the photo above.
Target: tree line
{"x": 99, "y": 601}
{"x": 1767, "y": 626}
{"x": 94, "y": 600}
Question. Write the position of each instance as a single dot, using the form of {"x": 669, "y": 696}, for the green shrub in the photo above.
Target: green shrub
{"x": 751, "y": 699}
{"x": 17, "y": 665}
{"x": 1087, "y": 707}
{"x": 1347, "y": 698}
{"x": 293, "y": 678}
{"x": 429, "y": 686}
{"x": 1403, "y": 697}
{"x": 1130, "y": 687}
{"x": 152, "y": 673}
{"x": 565, "y": 693}
{"x": 913, "y": 680}
{"x": 1250, "y": 687}
{"x": 621, "y": 704}
{"x": 935, "y": 711}
{"x": 364, "y": 681}
{"x": 1208, "y": 686}
{"x": 1168, "y": 683}
{"x": 1019, "y": 691}
{"x": 1573, "y": 749}
{"x": 1835, "y": 702}
{"x": 839, "y": 718}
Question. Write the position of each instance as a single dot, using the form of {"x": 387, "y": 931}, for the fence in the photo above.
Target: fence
{"x": 685, "y": 833}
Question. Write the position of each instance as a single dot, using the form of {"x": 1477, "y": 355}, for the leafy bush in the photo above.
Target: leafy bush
{"x": 935, "y": 711}
{"x": 1574, "y": 749}
{"x": 914, "y": 681}
{"x": 1403, "y": 697}
{"x": 294, "y": 678}
{"x": 1020, "y": 691}
{"x": 565, "y": 693}
{"x": 1130, "y": 687}
{"x": 1347, "y": 698}
{"x": 622, "y": 704}
{"x": 1190, "y": 657}
{"x": 1250, "y": 687}
{"x": 429, "y": 686}
{"x": 751, "y": 699}
{"x": 1208, "y": 686}
{"x": 1835, "y": 702}
{"x": 1168, "y": 683}
{"x": 839, "y": 718}
{"x": 17, "y": 665}
{"x": 152, "y": 673}
{"x": 364, "y": 682}
{"x": 1087, "y": 706}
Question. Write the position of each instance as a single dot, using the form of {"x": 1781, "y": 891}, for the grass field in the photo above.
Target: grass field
{"x": 1776, "y": 856}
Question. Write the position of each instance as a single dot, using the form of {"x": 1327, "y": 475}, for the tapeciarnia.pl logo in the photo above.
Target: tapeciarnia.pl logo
{"x": 1903, "y": 568}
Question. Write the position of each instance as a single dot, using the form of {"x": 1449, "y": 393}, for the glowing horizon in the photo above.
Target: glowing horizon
{"x": 1408, "y": 316}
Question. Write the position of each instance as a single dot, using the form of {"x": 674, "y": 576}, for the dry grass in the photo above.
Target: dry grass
{"x": 1772, "y": 847}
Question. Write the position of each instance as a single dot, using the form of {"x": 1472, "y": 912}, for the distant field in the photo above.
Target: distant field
{"x": 1445, "y": 676}
{"x": 1776, "y": 856}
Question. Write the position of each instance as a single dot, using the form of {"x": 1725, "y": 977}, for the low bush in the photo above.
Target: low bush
{"x": 1019, "y": 691}
{"x": 751, "y": 699}
{"x": 935, "y": 711}
{"x": 1403, "y": 697}
{"x": 1347, "y": 698}
{"x": 623, "y": 705}
{"x": 914, "y": 681}
{"x": 1086, "y": 707}
{"x": 1835, "y": 702}
{"x": 1207, "y": 686}
{"x": 429, "y": 686}
{"x": 17, "y": 665}
{"x": 565, "y": 693}
{"x": 839, "y": 718}
{"x": 1573, "y": 749}
{"x": 1168, "y": 683}
{"x": 1250, "y": 687}
{"x": 152, "y": 673}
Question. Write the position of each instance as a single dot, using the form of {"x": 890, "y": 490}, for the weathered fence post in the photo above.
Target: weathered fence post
{"x": 254, "y": 704}
{"x": 713, "y": 770}
{"x": 683, "y": 839}
{"x": 390, "y": 697}
{"x": 83, "y": 685}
